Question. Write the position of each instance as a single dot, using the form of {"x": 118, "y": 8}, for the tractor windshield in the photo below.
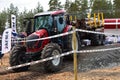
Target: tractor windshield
{"x": 43, "y": 22}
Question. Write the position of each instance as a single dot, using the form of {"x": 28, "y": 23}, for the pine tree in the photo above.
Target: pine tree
{"x": 84, "y": 7}
{"x": 55, "y": 5}
{"x": 12, "y": 10}
{"x": 117, "y": 8}
{"x": 38, "y": 9}
{"x": 6, "y": 14}
{"x": 67, "y": 5}
{"x": 74, "y": 7}
{"x": 104, "y": 6}
{"x": 21, "y": 18}
{"x": 3, "y": 18}
{"x": 28, "y": 14}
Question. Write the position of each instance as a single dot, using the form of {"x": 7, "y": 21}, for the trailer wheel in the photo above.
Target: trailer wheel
{"x": 50, "y": 50}
{"x": 17, "y": 57}
{"x": 103, "y": 39}
{"x": 95, "y": 40}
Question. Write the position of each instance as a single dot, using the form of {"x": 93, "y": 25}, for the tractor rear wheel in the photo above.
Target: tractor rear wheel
{"x": 50, "y": 50}
{"x": 17, "y": 57}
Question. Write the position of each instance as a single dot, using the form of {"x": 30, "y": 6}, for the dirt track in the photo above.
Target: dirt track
{"x": 91, "y": 66}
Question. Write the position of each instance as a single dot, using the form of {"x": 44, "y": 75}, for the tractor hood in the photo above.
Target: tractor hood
{"x": 37, "y": 45}
{"x": 41, "y": 33}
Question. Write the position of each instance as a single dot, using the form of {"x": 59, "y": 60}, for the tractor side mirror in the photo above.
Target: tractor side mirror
{"x": 28, "y": 27}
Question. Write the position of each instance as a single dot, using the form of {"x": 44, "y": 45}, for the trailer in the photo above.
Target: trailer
{"x": 95, "y": 23}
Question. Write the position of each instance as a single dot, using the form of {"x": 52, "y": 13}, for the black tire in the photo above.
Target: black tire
{"x": 17, "y": 57}
{"x": 49, "y": 50}
{"x": 103, "y": 39}
{"x": 95, "y": 40}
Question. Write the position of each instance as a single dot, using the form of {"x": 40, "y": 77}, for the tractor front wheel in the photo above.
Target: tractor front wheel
{"x": 50, "y": 50}
{"x": 17, "y": 57}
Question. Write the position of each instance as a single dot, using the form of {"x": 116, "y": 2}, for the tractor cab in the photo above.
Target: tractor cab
{"x": 51, "y": 21}
{"x": 46, "y": 24}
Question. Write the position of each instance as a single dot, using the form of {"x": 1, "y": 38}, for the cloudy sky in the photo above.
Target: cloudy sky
{"x": 28, "y": 4}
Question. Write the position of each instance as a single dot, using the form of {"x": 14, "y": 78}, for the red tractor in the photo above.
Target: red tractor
{"x": 45, "y": 24}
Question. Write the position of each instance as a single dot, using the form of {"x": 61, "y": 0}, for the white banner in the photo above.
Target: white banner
{"x": 13, "y": 23}
{"x": 6, "y": 40}
{"x": 13, "y": 26}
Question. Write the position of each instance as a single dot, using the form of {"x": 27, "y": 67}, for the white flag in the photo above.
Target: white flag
{"x": 13, "y": 23}
{"x": 6, "y": 40}
{"x": 13, "y": 26}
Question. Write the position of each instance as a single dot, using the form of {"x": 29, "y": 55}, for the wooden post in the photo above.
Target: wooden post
{"x": 75, "y": 54}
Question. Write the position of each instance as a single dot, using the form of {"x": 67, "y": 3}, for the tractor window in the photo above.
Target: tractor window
{"x": 60, "y": 23}
{"x": 43, "y": 22}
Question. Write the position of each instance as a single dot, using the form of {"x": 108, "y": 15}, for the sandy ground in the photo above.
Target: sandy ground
{"x": 91, "y": 66}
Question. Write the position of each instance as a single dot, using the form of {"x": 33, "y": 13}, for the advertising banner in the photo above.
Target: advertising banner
{"x": 13, "y": 23}
{"x": 6, "y": 40}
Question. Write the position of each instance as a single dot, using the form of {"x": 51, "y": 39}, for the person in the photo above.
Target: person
{"x": 1, "y": 55}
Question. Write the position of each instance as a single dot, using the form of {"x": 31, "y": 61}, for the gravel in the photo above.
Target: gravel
{"x": 91, "y": 66}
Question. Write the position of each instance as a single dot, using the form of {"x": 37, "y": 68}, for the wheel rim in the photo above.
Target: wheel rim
{"x": 56, "y": 61}
{"x": 76, "y": 44}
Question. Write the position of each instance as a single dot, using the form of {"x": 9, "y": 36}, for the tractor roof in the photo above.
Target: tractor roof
{"x": 50, "y": 13}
